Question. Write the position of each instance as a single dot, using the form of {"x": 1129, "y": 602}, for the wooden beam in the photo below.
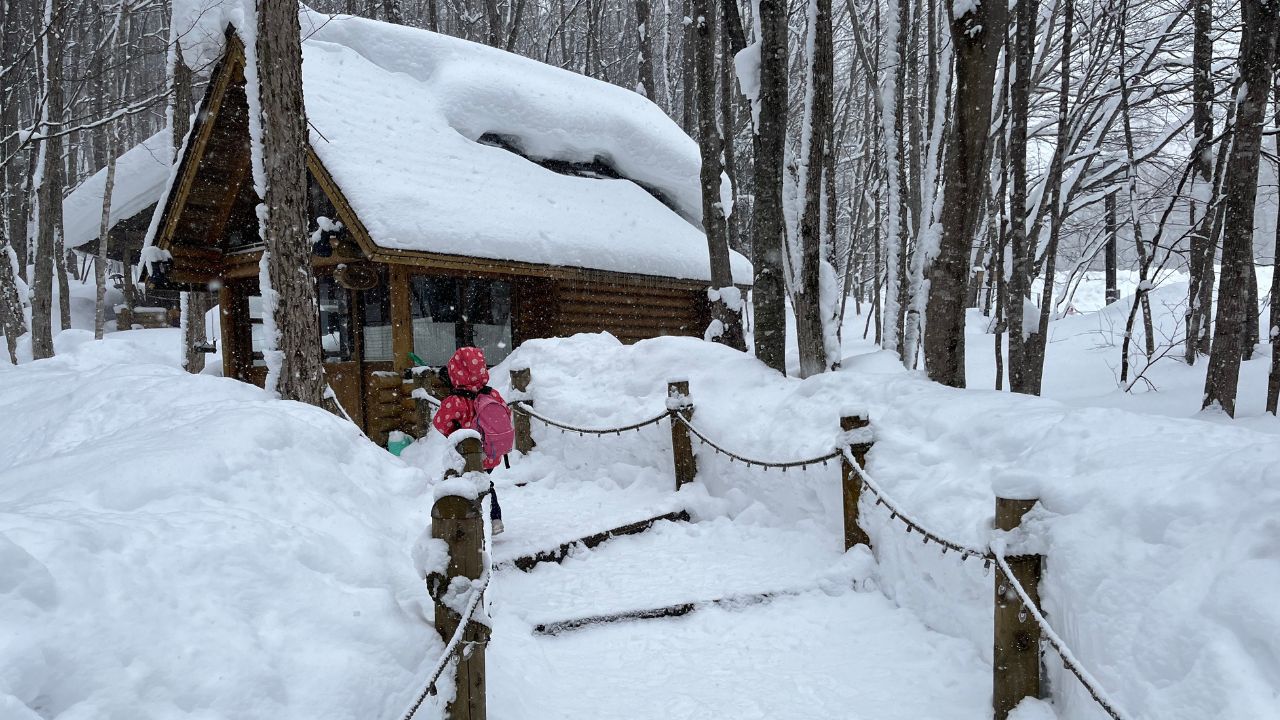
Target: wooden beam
{"x": 401, "y": 318}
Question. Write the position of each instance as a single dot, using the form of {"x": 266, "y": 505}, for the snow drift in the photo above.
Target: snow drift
{"x": 175, "y": 545}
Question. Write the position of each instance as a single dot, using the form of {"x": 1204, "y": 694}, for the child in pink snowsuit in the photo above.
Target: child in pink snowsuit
{"x": 468, "y": 377}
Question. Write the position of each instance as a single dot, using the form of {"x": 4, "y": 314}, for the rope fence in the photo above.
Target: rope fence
{"x": 912, "y": 525}
{"x": 1016, "y": 667}
{"x": 523, "y": 407}
{"x": 751, "y": 462}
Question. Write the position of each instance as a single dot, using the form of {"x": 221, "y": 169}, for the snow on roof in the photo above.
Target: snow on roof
{"x": 396, "y": 114}
{"x": 141, "y": 175}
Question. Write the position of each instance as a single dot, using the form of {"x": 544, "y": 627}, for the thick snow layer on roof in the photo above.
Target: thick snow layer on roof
{"x": 141, "y": 174}
{"x": 396, "y": 113}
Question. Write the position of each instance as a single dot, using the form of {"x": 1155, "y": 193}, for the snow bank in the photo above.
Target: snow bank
{"x": 396, "y": 113}
{"x": 141, "y": 175}
{"x": 1160, "y": 533}
{"x": 177, "y": 545}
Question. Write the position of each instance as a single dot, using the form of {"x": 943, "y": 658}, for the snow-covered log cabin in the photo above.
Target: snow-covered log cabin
{"x": 460, "y": 195}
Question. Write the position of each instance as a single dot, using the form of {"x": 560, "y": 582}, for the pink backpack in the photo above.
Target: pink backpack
{"x": 493, "y": 420}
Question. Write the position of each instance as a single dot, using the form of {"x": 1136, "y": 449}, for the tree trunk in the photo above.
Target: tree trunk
{"x": 12, "y": 322}
{"x": 977, "y": 36}
{"x": 816, "y": 126}
{"x": 769, "y": 291}
{"x": 1273, "y": 327}
{"x": 49, "y": 190}
{"x": 688, "y": 79}
{"x": 1037, "y": 343}
{"x": 1257, "y": 52}
{"x": 288, "y": 289}
{"x": 1203, "y": 247}
{"x": 1023, "y": 256}
{"x": 196, "y": 303}
{"x": 104, "y": 231}
{"x": 644, "y": 45}
{"x": 726, "y": 323}
{"x": 13, "y": 226}
{"x": 1112, "y": 246}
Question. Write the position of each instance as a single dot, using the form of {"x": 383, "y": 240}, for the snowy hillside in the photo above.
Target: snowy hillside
{"x": 175, "y": 544}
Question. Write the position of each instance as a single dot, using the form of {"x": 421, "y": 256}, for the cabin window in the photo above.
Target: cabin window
{"x": 335, "y": 320}
{"x": 449, "y": 313}
{"x": 377, "y": 323}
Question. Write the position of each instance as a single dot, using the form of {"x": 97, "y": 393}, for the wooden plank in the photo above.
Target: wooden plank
{"x": 528, "y": 562}
{"x": 580, "y": 315}
{"x": 734, "y": 602}
{"x": 627, "y": 293}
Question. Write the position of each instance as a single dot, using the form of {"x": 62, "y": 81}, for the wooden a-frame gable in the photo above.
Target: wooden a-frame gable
{"x": 213, "y": 186}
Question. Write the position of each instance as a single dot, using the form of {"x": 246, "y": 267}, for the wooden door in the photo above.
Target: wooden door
{"x": 340, "y": 345}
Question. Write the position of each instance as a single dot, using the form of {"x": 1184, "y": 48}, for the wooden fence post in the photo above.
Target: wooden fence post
{"x": 524, "y": 432}
{"x": 851, "y": 482}
{"x": 681, "y": 444}
{"x": 1016, "y": 660}
{"x": 456, "y": 520}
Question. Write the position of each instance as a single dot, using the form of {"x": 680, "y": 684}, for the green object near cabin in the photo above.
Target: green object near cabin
{"x": 397, "y": 441}
{"x": 417, "y": 361}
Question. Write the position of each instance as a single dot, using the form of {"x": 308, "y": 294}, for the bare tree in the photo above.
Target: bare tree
{"x": 288, "y": 289}
{"x": 1022, "y": 48}
{"x": 977, "y": 32}
{"x": 726, "y": 324}
{"x": 806, "y": 299}
{"x": 1203, "y": 247}
{"x": 1257, "y": 55}
{"x": 51, "y": 183}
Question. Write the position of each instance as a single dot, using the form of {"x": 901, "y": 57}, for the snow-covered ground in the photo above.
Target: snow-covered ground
{"x": 183, "y": 546}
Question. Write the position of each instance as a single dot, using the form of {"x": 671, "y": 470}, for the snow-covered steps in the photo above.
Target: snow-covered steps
{"x": 848, "y": 655}
{"x": 555, "y": 508}
{"x": 559, "y": 553}
{"x": 676, "y": 563}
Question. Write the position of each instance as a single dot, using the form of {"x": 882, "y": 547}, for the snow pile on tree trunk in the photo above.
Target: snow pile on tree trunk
{"x": 1159, "y": 534}
{"x": 177, "y": 545}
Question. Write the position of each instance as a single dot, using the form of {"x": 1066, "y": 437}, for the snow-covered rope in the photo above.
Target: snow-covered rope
{"x": 422, "y": 394}
{"x": 896, "y": 513}
{"x": 522, "y": 407}
{"x": 767, "y": 464}
{"x": 1069, "y": 660}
